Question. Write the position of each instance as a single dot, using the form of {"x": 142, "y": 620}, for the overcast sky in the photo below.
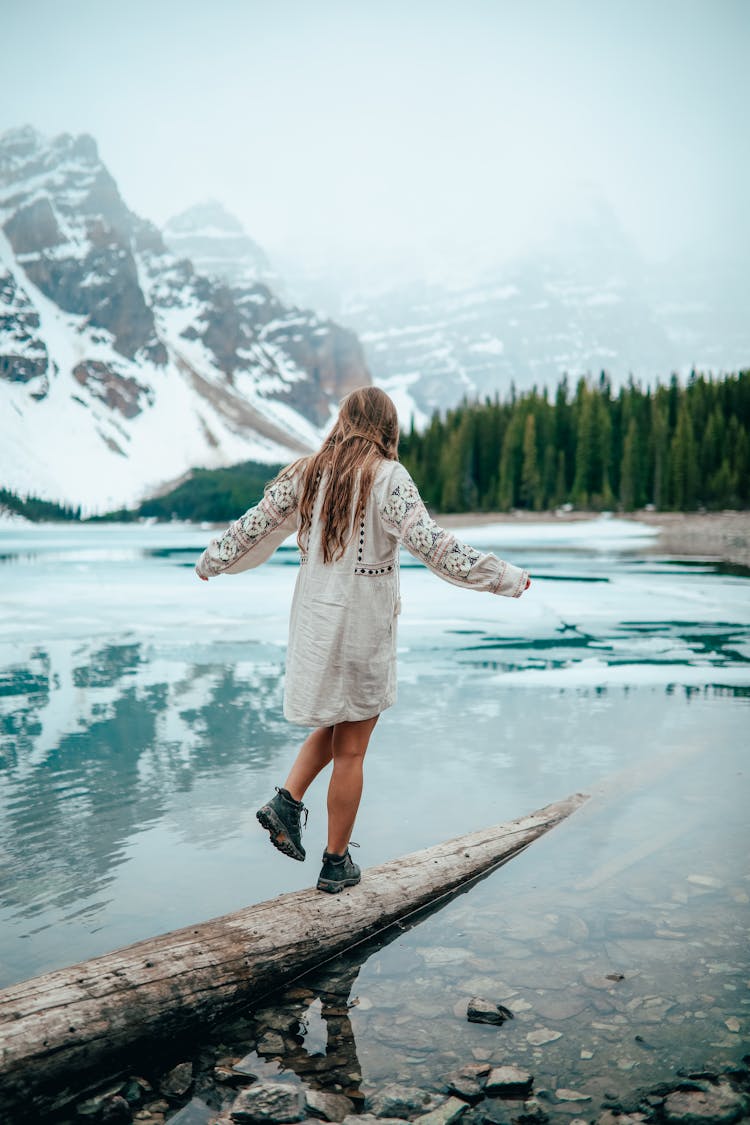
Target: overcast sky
{"x": 355, "y": 127}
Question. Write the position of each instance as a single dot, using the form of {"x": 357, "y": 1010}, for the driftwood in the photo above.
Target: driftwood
{"x": 65, "y": 1027}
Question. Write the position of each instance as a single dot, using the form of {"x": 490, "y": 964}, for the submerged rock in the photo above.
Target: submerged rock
{"x": 93, "y": 1106}
{"x": 479, "y": 1010}
{"x": 223, "y": 1071}
{"x": 445, "y": 1114}
{"x": 135, "y": 1089}
{"x": 117, "y": 1109}
{"x": 395, "y": 1100}
{"x": 272, "y": 1102}
{"x": 565, "y": 1095}
{"x": 562, "y": 1006}
{"x": 474, "y": 986}
{"x": 271, "y": 1043}
{"x": 543, "y": 1035}
{"x": 177, "y": 1081}
{"x": 331, "y": 1107}
{"x": 711, "y": 1105}
{"x": 371, "y": 1119}
{"x": 610, "y": 1117}
{"x": 708, "y": 881}
{"x": 509, "y": 1081}
{"x": 443, "y": 954}
{"x": 601, "y": 981}
{"x": 469, "y": 1087}
{"x": 469, "y": 1081}
{"x": 196, "y": 1112}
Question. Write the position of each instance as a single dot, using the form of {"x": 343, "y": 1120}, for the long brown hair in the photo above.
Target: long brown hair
{"x": 365, "y": 433}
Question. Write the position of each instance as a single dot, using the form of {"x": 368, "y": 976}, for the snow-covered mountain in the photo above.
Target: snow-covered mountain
{"x": 122, "y": 365}
{"x": 217, "y": 245}
{"x": 434, "y": 342}
{"x": 580, "y": 301}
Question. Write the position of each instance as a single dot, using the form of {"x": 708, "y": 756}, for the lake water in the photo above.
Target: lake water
{"x": 141, "y": 727}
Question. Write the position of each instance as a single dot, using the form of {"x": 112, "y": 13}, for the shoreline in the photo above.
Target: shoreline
{"x": 721, "y": 536}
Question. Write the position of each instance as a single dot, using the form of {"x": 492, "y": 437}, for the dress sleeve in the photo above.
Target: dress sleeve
{"x": 405, "y": 515}
{"x": 251, "y": 539}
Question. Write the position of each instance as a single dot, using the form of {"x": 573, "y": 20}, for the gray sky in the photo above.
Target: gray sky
{"x": 368, "y": 127}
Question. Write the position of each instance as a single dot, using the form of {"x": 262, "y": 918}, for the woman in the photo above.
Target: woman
{"x": 352, "y": 504}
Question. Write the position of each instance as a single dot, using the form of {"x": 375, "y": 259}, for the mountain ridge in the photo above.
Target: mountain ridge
{"x": 109, "y": 340}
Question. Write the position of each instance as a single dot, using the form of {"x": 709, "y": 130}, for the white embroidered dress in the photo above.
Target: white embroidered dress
{"x": 341, "y": 656}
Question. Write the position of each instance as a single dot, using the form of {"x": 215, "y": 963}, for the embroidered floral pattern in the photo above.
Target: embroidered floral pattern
{"x": 405, "y": 511}
{"x": 246, "y": 532}
{"x": 283, "y": 494}
{"x": 460, "y": 558}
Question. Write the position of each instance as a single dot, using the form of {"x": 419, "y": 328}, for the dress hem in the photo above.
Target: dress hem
{"x": 340, "y": 717}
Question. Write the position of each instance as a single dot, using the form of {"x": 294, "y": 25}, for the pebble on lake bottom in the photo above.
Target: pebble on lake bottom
{"x": 705, "y": 881}
{"x": 543, "y": 1035}
{"x": 396, "y": 1100}
{"x": 565, "y": 1095}
{"x": 444, "y": 1114}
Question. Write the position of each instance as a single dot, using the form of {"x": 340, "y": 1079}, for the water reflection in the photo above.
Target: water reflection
{"x": 308, "y": 1030}
{"x": 96, "y": 740}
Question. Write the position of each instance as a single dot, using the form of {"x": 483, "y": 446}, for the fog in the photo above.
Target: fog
{"x": 386, "y": 132}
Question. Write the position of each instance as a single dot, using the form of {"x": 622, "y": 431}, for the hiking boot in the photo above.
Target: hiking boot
{"x": 337, "y": 872}
{"x": 281, "y": 817}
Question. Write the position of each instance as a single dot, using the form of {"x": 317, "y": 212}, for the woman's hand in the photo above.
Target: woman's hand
{"x": 528, "y": 583}
{"x": 202, "y": 577}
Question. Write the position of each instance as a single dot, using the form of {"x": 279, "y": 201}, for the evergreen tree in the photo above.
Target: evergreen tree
{"x": 530, "y": 493}
{"x": 711, "y": 454}
{"x": 564, "y": 436}
{"x": 549, "y": 477}
{"x": 682, "y": 457}
{"x": 509, "y": 458}
{"x": 742, "y": 467}
{"x": 628, "y": 469}
{"x": 584, "y": 457}
{"x": 659, "y": 453}
{"x": 561, "y": 490}
{"x": 602, "y": 441}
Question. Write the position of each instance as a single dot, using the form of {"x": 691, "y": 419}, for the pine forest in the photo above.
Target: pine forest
{"x": 679, "y": 446}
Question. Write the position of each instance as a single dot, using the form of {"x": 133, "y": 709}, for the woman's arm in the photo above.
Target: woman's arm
{"x": 251, "y": 539}
{"x": 407, "y": 518}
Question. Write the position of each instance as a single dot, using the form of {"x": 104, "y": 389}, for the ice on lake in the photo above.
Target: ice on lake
{"x": 141, "y": 726}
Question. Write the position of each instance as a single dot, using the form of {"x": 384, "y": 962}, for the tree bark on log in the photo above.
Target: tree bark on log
{"x": 80, "y": 1022}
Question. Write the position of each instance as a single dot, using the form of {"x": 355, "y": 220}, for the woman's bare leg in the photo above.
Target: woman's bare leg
{"x": 349, "y": 744}
{"x": 314, "y": 755}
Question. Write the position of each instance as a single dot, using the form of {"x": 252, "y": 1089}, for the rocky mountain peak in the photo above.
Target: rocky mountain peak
{"x": 69, "y": 228}
{"x": 148, "y": 363}
{"x": 217, "y": 244}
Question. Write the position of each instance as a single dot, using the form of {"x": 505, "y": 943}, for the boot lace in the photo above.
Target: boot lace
{"x": 297, "y": 807}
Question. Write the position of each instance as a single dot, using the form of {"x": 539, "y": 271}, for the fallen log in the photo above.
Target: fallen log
{"x": 62, "y": 1028}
